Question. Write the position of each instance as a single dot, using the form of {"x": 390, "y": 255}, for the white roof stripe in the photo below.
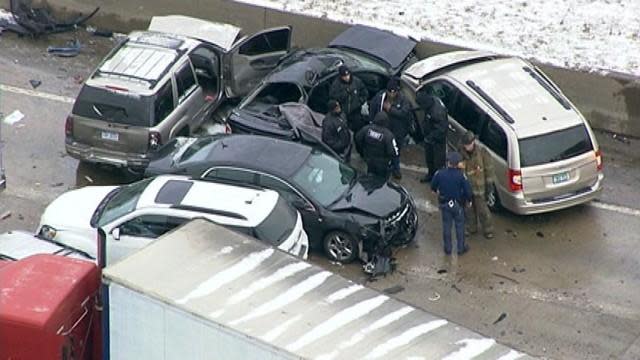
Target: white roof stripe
{"x": 265, "y": 282}
{"x": 342, "y": 318}
{"x": 343, "y": 293}
{"x": 280, "y": 329}
{"x": 378, "y": 324}
{"x": 294, "y": 293}
{"x": 216, "y": 281}
{"x": 404, "y": 338}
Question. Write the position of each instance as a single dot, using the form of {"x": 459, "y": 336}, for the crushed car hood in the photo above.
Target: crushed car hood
{"x": 372, "y": 196}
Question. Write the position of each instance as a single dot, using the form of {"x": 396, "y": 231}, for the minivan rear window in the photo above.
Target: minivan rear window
{"x": 555, "y": 146}
{"x": 114, "y": 106}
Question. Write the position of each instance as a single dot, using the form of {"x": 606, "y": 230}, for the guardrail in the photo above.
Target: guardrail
{"x": 610, "y": 102}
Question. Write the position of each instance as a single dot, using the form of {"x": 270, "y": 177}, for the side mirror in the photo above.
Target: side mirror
{"x": 115, "y": 233}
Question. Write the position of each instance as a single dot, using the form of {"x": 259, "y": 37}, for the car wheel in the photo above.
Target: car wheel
{"x": 493, "y": 201}
{"x": 340, "y": 246}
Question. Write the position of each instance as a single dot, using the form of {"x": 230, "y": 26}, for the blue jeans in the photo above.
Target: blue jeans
{"x": 452, "y": 214}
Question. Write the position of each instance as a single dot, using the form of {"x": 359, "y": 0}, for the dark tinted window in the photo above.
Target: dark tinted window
{"x": 276, "y": 227}
{"x": 232, "y": 175}
{"x": 467, "y": 113}
{"x": 442, "y": 89}
{"x": 164, "y": 103}
{"x": 495, "y": 139}
{"x": 150, "y": 226}
{"x": 265, "y": 43}
{"x": 319, "y": 96}
{"x": 185, "y": 81}
{"x": 554, "y": 146}
{"x": 283, "y": 189}
{"x": 205, "y": 61}
{"x": 114, "y": 106}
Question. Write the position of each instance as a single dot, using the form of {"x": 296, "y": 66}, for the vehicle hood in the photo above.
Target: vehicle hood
{"x": 222, "y": 35}
{"x": 21, "y": 244}
{"x": 73, "y": 209}
{"x": 375, "y": 197}
{"x": 380, "y": 44}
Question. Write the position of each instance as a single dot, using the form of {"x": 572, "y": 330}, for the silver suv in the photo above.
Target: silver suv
{"x": 163, "y": 83}
{"x": 544, "y": 151}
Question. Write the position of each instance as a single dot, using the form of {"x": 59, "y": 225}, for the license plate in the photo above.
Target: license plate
{"x": 107, "y": 135}
{"x": 560, "y": 178}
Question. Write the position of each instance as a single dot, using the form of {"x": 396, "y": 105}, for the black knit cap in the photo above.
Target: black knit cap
{"x": 332, "y": 104}
{"x": 393, "y": 84}
{"x": 343, "y": 70}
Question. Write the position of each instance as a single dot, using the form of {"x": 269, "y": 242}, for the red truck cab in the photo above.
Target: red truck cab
{"x": 48, "y": 308}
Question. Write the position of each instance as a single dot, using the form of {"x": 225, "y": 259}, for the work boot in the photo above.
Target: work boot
{"x": 464, "y": 250}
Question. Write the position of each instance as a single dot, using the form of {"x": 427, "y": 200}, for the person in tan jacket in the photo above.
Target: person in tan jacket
{"x": 478, "y": 168}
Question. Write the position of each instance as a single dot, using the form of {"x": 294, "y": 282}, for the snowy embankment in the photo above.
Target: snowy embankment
{"x": 589, "y": 35}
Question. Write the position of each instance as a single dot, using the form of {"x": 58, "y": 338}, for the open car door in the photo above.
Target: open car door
{"x": 252, "y": 58}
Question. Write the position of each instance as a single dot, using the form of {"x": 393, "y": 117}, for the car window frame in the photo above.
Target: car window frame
{"x": 483, "y": 135}
{"x": 148, "y": 213}
{"x": 179, "y": 99}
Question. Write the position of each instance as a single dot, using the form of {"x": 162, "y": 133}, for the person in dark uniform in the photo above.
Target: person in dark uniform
{"x": 352, "y": 93}
{"x": 377, "y": 146}
{"x": 454, "y": 192}
{"x": 434, "y": 128}
{"x": 398, "y": 108}
{"x": 335, "y": 131}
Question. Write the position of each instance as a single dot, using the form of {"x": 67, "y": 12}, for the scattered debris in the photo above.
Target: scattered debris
{"x": 506, "y": 278}
{"x": 515, "y": 269}
{"x": 97, "y": 32}
{"x": 5, "y": 215}
{"x": 78, "y": 79}
{"x": 25, "y": 19}
{"x": 622, "y": 139}
{"x": 73, "y": 49}
{"x": 442, "y": 271}
{"x": 89, "y": 179}
{"x": 20, "y": 217}
{"x": 540, "y": 234}
{"x": 500, "y": 318}
{"x": 14, "y": 117}
{"x": 393, "y": 290}
{"x": 35, "y": 83}
{"x": 435, "y": 297}
{"x": 456, "y": 288}
{"x": 57, "y": 184}
{"x": 495, "y": 258}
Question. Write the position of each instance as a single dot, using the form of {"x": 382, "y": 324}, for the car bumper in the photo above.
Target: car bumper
{"x": 88, "y": 153}
{"x": 519, "y": 205}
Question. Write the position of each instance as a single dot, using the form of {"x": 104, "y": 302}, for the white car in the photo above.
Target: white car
{"x": 18, "y": 244}
{"x": 134, "y": 215}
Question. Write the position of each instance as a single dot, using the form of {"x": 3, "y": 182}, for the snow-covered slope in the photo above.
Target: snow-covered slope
{"x": 592, "y": 35}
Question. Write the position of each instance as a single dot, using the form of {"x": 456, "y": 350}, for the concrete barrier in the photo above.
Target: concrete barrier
{"x": 610, "y": 103}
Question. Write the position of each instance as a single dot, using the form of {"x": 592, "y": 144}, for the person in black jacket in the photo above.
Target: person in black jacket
{"x": 335, "y": 132}
{"x": 351, "y": 92}
{"x": 396, "y": 106}
{"x": 434, "y": 128}
{"x": 454, "y": 193}
{"x": 377, "y": 145}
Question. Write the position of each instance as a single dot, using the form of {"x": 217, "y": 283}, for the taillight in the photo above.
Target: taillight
{"x": 68, "y": 126}
{"x": 515, "y": 180}
{"x": 599, "y": 164}
{"x": 227, "y": 128}
{"x": 155, "y": 140}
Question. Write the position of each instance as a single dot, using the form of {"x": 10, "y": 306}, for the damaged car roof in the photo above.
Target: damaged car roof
{"x": 383, "y": 45}
{"x": 219, "y": 34}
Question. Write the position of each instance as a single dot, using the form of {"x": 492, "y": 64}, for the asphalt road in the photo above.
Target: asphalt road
{"x": 567, "y": 283}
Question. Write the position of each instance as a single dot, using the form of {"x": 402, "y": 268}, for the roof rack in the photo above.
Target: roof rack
{"x": 210, "y": 211}
{"x": 152, "y": 81}
{"x": 548, "y": 87}
{"x": 505, "y": 115}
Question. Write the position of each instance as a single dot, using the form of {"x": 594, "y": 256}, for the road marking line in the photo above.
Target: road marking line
{"x": 43, "y": 95}
{"x": 616, "y": 208}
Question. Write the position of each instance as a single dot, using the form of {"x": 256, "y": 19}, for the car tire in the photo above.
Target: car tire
{"x": 493, "y": 200}
{"x": 341, "y": 246}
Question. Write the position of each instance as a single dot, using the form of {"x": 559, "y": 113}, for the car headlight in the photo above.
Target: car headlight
{"x": 47, "y": 232}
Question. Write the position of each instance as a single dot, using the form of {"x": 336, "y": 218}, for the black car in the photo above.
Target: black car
{"x": 305, "y": 76}
{"x": 345, "y": 213}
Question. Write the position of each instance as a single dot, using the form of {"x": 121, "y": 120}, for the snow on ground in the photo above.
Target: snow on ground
{"x": 590, "y": 35}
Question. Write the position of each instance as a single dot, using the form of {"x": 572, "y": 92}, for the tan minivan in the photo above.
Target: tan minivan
{"x": 163, "y": 83}
{"x": 545, "y": 154}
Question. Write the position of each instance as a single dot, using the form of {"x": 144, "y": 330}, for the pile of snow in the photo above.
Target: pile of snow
{"x": 589, "y": 35}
